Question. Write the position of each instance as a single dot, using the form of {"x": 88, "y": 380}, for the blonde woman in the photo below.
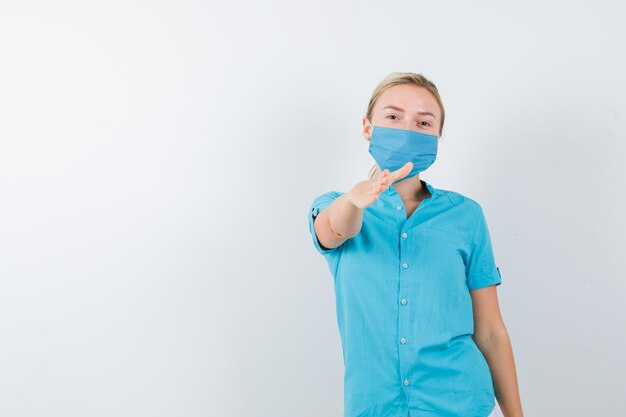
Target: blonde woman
{"x": 414, "y": 275}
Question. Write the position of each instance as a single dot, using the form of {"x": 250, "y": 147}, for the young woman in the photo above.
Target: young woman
{"x": 414, "y": 275}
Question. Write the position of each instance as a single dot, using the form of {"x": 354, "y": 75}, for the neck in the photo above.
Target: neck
{"x": 411, "y": 189}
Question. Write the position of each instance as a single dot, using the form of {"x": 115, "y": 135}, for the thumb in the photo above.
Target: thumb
{"x": 402, "y": 172}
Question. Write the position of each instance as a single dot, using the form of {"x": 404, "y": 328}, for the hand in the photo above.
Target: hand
{"x": 365, "y": 193}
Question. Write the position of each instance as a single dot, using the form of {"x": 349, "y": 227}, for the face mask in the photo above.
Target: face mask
{"x": 392, "y": 148}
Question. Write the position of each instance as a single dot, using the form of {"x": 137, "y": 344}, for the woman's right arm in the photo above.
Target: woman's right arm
{"x": 343, "y": 218}
{"x": 340, "y": 221}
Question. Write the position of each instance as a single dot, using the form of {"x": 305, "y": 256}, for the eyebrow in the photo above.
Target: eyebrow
{"x": 426, "y": 113}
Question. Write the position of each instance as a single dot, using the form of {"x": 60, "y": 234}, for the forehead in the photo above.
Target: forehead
{"x": 411, "y": 98}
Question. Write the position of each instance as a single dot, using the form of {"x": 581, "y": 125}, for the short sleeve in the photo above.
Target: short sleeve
{"x": 481, "y": 270}
{"x": 319, "y": 204}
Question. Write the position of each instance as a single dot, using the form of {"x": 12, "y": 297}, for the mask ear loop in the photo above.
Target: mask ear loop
{"x": 372, "y": 126}
{"x": 369, "y": 139}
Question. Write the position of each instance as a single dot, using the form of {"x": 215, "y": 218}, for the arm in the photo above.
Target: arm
{"x": 343, "y": 218}
{"x": 340, "y": 221}
{"x": 492, "y": 338}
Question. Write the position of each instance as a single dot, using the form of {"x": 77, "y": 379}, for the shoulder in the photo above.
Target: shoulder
{"x": 330, "y": 194}
{"x": 327, "y": 197}
{"x": 462, "y": 201}
{"x": 322, "y": 201}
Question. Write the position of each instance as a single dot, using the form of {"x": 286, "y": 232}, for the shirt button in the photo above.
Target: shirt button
{"x": 405, "y": 265}
{"x": 404, "y": 235}
{"x": 398, "y": 207}
{"x": 403, "y": 302}
{"x": 406, "y": 382}
{"x": 403, "y": 340}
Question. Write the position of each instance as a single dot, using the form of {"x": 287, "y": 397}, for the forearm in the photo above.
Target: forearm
{"x": 344, "y": 217}
{"x": 499, "y": 355}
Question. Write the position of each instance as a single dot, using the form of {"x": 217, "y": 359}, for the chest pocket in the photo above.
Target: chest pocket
{"x": 451, "y": 238}
{"x": 446, "y": 252}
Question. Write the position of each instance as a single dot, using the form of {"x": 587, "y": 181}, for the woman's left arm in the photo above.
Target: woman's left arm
{"x": 492, "y": 338}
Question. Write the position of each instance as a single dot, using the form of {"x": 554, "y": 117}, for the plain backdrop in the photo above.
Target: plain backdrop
{"x": 158, "y": 161}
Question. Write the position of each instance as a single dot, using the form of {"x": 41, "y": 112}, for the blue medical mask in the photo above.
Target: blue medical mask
{"x": 392, "y": 148}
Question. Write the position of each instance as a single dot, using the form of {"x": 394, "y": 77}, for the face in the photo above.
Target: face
{"x": 405, "y": 106}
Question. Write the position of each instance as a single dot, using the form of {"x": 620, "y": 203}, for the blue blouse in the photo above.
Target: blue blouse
{"x": 404, "y": 308}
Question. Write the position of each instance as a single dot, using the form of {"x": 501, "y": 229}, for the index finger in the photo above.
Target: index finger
{"x": 401, "y": 172}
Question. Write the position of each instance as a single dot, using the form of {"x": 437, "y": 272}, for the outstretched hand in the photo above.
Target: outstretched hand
{"x": 365, "y": 193}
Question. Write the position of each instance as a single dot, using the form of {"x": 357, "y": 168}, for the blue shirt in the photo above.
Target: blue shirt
{"x": 404, "y": 308}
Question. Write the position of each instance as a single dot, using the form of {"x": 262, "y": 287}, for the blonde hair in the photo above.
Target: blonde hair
{"x": 396, "y": 78}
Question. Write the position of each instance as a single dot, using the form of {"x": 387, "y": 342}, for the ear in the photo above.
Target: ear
{"x": 367, "y": 129}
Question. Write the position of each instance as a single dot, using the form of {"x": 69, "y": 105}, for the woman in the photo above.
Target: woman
{"x": 414, "y": 275}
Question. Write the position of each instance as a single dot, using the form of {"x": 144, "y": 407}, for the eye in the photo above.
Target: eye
{"x": 392, "y": 115}
{"x": 424, "y": 121}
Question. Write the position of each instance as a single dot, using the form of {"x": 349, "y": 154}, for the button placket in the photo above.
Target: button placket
{"x": 403, "y": 324}
{"x": 402, "y": 250}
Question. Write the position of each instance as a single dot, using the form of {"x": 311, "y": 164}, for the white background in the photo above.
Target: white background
{"x": 158, "y": 161}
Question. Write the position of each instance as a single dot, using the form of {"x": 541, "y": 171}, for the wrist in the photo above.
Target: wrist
{"x": 349, "y": 198}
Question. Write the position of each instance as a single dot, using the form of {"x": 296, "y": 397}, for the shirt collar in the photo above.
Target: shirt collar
{"x": 433, "y": 190}
{"x": 391, "y": 190}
